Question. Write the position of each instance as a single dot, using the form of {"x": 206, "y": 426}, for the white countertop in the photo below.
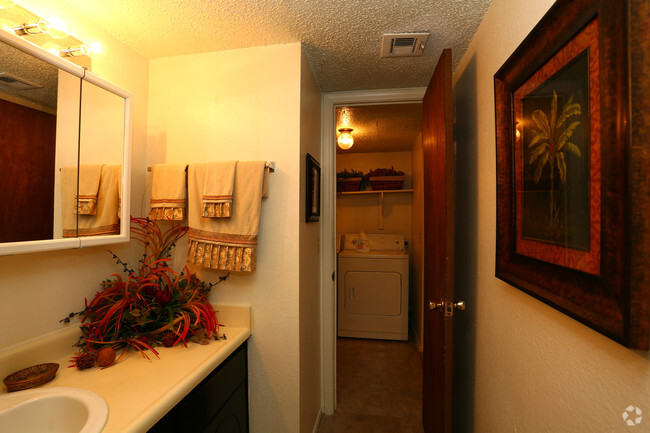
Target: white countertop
{"x": 138, "y": 391}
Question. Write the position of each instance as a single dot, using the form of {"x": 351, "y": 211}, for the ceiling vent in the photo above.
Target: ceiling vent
{"x": 403, "y": 44}
{"x": 15, "y": 82}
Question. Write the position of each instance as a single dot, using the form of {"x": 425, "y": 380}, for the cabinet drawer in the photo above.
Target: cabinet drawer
{"x": 211, "y": 398}
{"x": 233, "y": 416}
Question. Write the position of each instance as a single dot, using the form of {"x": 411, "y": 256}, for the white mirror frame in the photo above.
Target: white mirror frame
{"x": 10, "y": 248}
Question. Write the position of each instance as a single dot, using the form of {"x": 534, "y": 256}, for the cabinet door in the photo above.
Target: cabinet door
{"x": 373, "y": 293}
{"x": 233, "y": 416}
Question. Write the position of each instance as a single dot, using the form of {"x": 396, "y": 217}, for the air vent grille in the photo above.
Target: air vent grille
{"x": 403, "y": 44}
{"x": 10, "y": 80}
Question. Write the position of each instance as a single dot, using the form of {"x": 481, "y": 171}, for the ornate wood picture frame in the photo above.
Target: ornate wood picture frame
{"x": 572, "y": 193}
{"x": 312, "y": 198}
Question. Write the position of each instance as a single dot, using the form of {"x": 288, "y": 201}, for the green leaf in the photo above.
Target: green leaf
{"x": 566, "y": 134}
{"x": 537, "y": 152}
{"x": 540, "y": 119}
{"x": 540, "y": 136}
{"x": 568, "y": 111}
{"x": 540, "y": 166}
{"x": 575, "y": 150}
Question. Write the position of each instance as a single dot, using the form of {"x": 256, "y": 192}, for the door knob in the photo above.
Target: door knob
{"x": 447, "y": 307}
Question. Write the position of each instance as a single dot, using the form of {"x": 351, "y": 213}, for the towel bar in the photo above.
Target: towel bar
{"x": 268, "y": 164}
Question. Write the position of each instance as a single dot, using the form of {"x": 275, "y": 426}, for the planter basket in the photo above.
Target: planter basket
{"x": 383, "y": 183}
{"x": 348, "y": 184}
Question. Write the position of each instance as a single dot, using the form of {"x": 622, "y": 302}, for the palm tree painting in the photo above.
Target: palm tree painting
{"x": 550, "y": 141}
{"x": 555, "y": 145}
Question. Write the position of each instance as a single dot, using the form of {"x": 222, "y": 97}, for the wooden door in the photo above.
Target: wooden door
{"x": 439, "y": 164}
{"x": 27, "y": 153}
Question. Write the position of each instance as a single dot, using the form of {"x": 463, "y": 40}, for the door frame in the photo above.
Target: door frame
{"x": 328, "y": 220}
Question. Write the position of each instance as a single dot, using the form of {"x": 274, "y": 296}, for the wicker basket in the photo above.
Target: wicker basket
{"x": 383, "y": 183}
{"x": 31, "y": 377}
{"x": 348, "y": 184}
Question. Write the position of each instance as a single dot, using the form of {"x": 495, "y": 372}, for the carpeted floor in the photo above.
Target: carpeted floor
{"x": 379, "y": 388}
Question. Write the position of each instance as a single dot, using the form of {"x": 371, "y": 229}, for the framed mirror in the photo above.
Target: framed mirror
{"x": 64, "y": 153}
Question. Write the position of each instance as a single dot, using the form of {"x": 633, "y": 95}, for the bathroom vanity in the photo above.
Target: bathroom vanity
{"x": 219, "y": 404}
{"x": 201, "y": 384}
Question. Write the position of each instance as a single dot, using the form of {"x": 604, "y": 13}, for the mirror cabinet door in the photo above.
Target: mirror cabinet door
{"x": 100, "y": 160}
{"x": 39, "y": 107}
{"x": 64, "y": 153}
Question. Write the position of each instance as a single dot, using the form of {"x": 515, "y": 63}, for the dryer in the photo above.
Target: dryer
{"x": 373, "y": 288}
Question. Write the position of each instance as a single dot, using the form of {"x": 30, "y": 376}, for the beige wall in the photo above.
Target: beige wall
{"x": 38, "y": 289}
{"x": 521, "y": 365}
{"x": 246, "y": 104}
{"x": 355, "y": 213}
{"x": 310, "y": 259}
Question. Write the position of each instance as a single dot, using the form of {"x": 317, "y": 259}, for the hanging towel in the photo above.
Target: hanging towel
{"x": 168, "y": 192}
{"x": 89, "y": 175}
{"x": 68, "y": 201}
{"x": 226, "y": 243}
{"x": 106, "y": 221}
{"x": 217, "y": 189}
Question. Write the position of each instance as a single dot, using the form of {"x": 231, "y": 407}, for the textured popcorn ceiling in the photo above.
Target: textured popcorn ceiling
{"x": 25, "y": 66}
{"x": 342, "y": 38}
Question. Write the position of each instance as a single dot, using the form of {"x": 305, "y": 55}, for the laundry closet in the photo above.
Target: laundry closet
{"x": 378, "y": 222}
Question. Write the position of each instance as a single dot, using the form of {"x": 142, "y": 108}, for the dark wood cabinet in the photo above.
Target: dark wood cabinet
{"x": 219, "y": 404}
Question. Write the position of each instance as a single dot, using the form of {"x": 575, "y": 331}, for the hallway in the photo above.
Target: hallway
{"x": 379, "y": 388}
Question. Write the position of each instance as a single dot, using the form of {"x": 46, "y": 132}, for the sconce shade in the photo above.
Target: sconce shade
{"x": 345, "y": 140}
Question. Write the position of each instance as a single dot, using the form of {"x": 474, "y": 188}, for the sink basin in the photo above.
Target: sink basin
{"x": 53, "y": 410}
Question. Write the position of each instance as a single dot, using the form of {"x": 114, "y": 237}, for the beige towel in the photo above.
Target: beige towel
{"x": 217, "y": 190}
{"x": 106, "y": 221}
{"x": 168, "y": 192}
{"x": 89, "y": 175}
{"x": 226, "y": 243}
{"x": 68, "y": 201}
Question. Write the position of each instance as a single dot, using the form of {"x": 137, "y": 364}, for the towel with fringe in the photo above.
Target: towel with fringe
{"x": 106, "y": 220}
{"x": 89, "y": 175}
{"x": 68, "y": 201}
{"x": 217, "y": 190}
{"x": 227, "y": 243}
{"x": 168, "y": 192}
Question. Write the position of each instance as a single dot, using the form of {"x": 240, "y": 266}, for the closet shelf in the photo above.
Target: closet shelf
{"x": 376, "y": 192}
{"x": 381, "y": 200}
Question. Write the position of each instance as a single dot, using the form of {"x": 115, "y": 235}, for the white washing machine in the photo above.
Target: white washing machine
{"x": 373, "y": 288}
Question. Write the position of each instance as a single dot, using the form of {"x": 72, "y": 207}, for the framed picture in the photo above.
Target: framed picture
{"x": 565, "y": 230}
{"x": 312, "y": 200}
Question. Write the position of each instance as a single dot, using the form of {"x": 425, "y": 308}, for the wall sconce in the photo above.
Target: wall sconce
{"x": 31, "y": 29}
{"x": 83, "y": 50}
{"x": 345, "y": 140}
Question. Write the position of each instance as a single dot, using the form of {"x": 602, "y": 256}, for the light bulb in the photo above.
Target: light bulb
{"x": 58, "y": 28}
{"x": 82, "y": 50}
{"x": 95, "y": 48}
{"x": 345, "y": 140}
{"x": 31, "y": 29}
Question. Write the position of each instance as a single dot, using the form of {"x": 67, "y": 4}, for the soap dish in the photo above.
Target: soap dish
{"x": 31, "y": 377}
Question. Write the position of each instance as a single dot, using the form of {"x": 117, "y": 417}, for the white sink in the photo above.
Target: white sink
{"x": 53, "y": 410}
